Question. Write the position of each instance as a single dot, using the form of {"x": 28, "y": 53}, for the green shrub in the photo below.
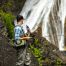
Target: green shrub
{"x": 36, "y": 51}
{"x": 8, "y": 19}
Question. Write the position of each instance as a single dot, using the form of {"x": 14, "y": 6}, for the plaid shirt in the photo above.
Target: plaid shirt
{"x": 18, "y": 32}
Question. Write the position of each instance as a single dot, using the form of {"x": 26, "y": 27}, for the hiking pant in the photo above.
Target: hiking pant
{"x": 23, "y": 56}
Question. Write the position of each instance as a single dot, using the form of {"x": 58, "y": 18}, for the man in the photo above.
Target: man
{"x": 23, "y": 58}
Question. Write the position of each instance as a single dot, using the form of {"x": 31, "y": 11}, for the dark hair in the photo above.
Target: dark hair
{"x": 19, "y": 17}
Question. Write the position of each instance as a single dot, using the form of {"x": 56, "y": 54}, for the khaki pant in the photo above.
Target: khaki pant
{"x": 23, "y": 56}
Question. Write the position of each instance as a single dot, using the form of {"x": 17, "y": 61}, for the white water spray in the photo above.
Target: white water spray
{"x": 52, "y": 14}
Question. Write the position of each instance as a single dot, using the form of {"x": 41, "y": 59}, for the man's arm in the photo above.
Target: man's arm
{"x": 25, "y": 38}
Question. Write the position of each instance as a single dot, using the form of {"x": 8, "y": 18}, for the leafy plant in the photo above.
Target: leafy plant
{"x": 8, "y": 19}
{"x": 36, "y": 51}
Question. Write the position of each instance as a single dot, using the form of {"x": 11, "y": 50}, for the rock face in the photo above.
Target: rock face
{"x": 7, "y": 53}
{"x": 47, "y": 53}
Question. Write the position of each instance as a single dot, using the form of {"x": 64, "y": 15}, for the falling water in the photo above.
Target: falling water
{"x": 51, "y": 13}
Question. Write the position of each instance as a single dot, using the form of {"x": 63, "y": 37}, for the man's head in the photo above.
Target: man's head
{"x": 19, "y": 19}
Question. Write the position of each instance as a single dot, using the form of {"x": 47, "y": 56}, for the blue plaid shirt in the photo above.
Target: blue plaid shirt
{"x": 18, "y": 32}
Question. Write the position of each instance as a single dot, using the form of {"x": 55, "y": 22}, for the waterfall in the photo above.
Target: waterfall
{"x": 51, "y": 13}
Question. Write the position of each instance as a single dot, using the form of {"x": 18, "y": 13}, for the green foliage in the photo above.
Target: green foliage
{"x": 8, "y": 19}
{"x": 36, "y": 51}
{"x": 7, "y": 5}
{"x": 36, "y": 41}
{"x": 58, "y": 62}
